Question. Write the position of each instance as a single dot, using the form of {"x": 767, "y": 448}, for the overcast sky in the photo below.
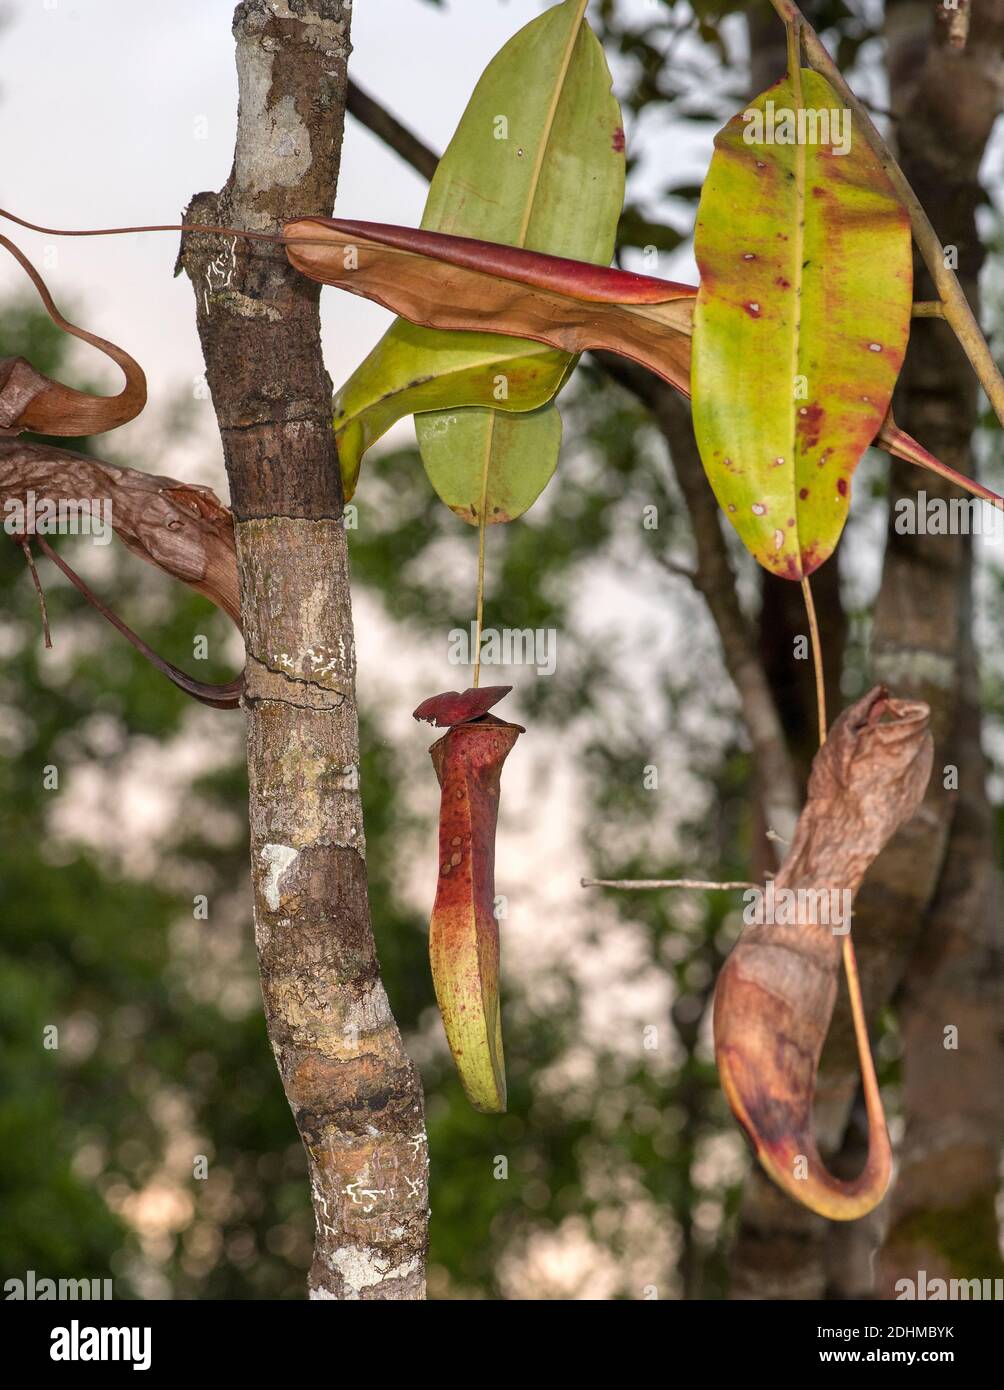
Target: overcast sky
{"x": 116, "y": 111}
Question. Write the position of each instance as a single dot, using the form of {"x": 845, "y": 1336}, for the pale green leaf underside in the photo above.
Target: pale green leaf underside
{"x": 451, "y": 438}
{"x": 537, "y": 161}
{"x": 407, "y": 373}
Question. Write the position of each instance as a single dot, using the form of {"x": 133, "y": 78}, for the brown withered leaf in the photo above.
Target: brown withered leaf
{"x": 29, "y": 400}
{"x": 775, "y": 994}
{"x": 182, "y": 529}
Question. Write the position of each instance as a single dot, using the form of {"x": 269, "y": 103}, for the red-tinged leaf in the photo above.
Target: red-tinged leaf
{"x": 452, "y": 282}
{"x": 904, "y": 446}
{"x": 464, "y": 931}
{"x": 558, "y": 274}
{"x": 460, "y": 707}
{"x": 801, "y": 323}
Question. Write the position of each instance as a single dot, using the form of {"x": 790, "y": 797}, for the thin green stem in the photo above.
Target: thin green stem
{"x": 479, "y": 621}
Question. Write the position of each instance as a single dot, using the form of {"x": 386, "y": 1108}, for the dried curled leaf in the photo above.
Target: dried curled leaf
{"x": 776, "y": 991}
{"x": 29, "y": 400}
{"x": 464, "y": 931}
{"x": 179, "y": 528}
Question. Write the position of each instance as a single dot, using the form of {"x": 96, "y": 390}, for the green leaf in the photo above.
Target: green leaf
{"x": 398, "y": 378}
{"x": 800, "y": 325}
{"x": 520, "y": 453}
{"x": 537, "y": 161}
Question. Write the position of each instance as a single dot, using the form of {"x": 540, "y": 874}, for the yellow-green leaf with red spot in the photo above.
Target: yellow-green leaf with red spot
{"x": 801, "y": 321}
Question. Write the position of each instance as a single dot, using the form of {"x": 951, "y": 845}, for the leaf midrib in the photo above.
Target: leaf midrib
{"x": 552, "y": 111}
{"x": 800, "y": 159}
{"x": 538, "y": 168}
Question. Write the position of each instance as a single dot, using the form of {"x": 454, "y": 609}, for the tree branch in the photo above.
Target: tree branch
{"x": 389, "y": 129}
{"x": 355, "y": 1095}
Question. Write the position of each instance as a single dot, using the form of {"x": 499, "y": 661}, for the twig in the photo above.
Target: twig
{"x": 390, "y": 130}
{"x": 877, "y": 110}
{"x": 679, "y": 571}
{"x": 956, "y": 306}
{"x": 633, "y": 883}
{"x": 26, "y": 547}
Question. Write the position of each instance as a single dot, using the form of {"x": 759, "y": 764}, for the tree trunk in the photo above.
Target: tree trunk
{"x": 355, "y": 1095}
{"x": 942, "y": 1212}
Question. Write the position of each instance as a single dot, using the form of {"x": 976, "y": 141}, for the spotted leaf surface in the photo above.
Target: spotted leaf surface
{"x": 801, "y": 321}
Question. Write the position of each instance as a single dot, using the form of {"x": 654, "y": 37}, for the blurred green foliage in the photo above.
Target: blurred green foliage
{"x": 162, "y": 1053}
{"x": 618, "y": 1145}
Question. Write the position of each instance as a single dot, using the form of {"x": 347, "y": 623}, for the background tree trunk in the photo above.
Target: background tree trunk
{"x": 939, "y": 871}
{"x": 942, "y": 1210}
{"x": 355, "y": 1094}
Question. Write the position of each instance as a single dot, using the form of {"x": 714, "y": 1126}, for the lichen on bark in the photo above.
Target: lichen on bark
{"x": 355, "y": 1095}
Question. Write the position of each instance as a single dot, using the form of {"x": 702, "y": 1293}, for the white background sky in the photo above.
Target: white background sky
{"x": 102, "y": 106}
{"x": 113, "y": 112}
